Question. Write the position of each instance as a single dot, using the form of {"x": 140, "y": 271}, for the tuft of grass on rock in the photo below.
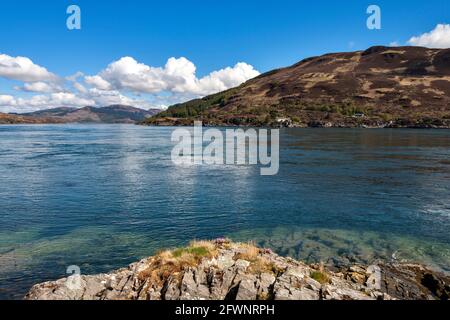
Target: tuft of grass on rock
{"x": 195, "y": 251}
{"x": 320, "y": 277}
{"x": 258, "y": 262}
{"x": 263, "y": 265}
{"x": 249, "y": 252}
{"x": 173, "y": 262}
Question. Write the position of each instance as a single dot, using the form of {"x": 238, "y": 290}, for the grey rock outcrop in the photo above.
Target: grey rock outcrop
{"x": 222, "y": 270}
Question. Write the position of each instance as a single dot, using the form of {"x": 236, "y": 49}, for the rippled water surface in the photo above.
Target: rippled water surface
{"x": 102, "y": 196}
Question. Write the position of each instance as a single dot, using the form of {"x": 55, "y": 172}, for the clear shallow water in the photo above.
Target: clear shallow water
{"x": 102, "y": 196}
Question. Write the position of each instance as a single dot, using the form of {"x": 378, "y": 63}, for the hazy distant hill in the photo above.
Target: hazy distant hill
{"x": 382, "y": 86}
{"x": 110, "y": 114}
{"x": 56, "y": 112}
{"x": 6, "y": 118}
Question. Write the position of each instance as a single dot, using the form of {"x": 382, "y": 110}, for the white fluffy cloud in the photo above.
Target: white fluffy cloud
{"x": 40, "y": 87}
{"x": 438, "y": 38}
{"x": 177, "y": 76}
{"x": 79, "y": 87}
{"x": 125, "y": 81}
{"x": 38, "y": 102}
{"x": 74, "y": 77}
{"x": 93, "y": 97}
{"x": 127, "y": 73}
{"x": 109, "y": 97}
{"x": 23, "y": 69}
{"x": 226, "y": 78}
{"x": 69, "y": 99}
{"x": 98, "y": 82}
{"x": 6, "y": 100}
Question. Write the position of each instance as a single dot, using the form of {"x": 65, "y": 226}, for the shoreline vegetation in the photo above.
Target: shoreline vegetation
{"x": 225, "y": 270}
{"x": 349, "y": 123}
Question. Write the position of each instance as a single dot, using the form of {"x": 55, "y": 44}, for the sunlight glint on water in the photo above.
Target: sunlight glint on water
{"x": 103, "y": 196}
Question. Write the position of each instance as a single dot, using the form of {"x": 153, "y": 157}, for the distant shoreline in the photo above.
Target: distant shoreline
{"x": 231, "y": 125}
{"x": 307, "y": 126}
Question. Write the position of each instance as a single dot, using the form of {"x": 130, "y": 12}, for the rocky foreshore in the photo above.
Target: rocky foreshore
{"x": 223, "y": 270}
{"x": 347, "y": 123}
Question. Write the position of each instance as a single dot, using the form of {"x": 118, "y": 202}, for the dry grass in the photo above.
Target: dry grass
{"x": 250, "y": 252}
{"x": 425, "y": 81}
{"x": 394, "y": 52}
{"x": 264, "y": 296}
{"x": 204, "y": 244}
{"x": 263, "y": 265}
{"x": 172, "y": 262}
{"x": 258, "y": 263}
{"x": 311, "y": 79}
{"x": 320, "y": 276}
{"x": 434, "y": 91}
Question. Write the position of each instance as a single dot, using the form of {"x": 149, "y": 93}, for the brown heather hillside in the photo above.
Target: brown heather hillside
{"x": 379, "y": 87}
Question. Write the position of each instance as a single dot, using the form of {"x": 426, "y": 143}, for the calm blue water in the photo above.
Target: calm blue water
{"x": 102, "y": 196}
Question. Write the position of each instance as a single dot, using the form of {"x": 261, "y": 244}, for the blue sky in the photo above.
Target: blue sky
{"x": 211, "y": 34}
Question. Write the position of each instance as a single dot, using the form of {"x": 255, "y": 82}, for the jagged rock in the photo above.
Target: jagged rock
{"x": 225, "y": 270}
{"x": 194, "y": 285}
{"x": 265, "y": 288}
{"x": 247, "y": 289}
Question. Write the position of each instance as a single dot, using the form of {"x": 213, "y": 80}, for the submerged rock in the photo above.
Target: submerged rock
{"x": 222, "y": 270}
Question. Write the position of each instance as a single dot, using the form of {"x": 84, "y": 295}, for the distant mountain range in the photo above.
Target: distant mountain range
{"x": 110, "y": 114}
{"x": 378, "y": 87}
